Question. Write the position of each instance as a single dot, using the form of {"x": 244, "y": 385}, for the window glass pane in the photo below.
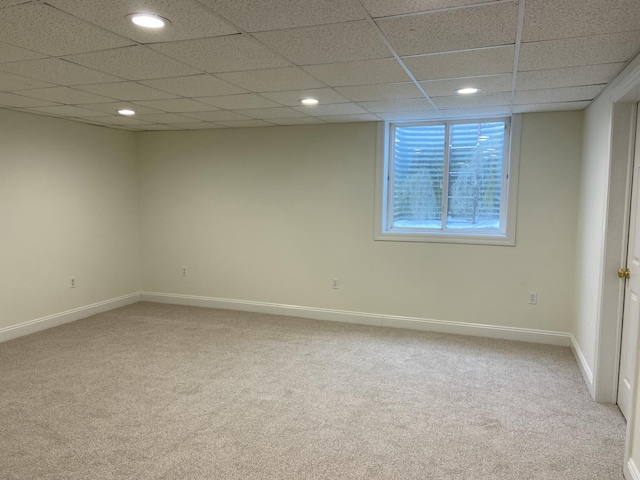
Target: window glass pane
{"x": 475, "y": 175}
{"x": 418, "y": 175}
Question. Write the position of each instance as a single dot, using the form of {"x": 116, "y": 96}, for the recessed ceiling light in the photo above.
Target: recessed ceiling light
{"x": 148, "y": 20}
{"x": 309, "y": 101}
{"x": 467, "y": 90}
{"x": 126, "y": 111}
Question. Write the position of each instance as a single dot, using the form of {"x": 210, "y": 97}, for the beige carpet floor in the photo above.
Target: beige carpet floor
{"x": 154, "y": 391}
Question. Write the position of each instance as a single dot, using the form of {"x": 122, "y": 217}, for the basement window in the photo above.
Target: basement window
{"x": 452, "y": 181}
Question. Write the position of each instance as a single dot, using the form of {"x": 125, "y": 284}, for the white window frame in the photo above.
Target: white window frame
{"x": 509, "y": 196}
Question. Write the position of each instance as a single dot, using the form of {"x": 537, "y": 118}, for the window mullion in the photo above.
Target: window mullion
{"x": 445, "y": 176}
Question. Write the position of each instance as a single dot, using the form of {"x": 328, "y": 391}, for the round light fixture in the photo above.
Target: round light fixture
{"x": 467, "y": 90}
{"x": 126, "y": 111}
{"x": 309, "y": 101}
{"x": 148, "y": 20}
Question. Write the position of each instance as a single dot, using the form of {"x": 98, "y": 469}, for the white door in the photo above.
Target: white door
{"x": 631, "y": 315}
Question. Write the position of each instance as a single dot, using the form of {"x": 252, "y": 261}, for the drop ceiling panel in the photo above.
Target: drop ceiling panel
{"x": 67, "y": 111}
{"x": 113, "y": 107}
{"x": 557, "y": 95}
{"x": 341, "y": 42}
{"x": 126, "y": 91}
{"x": 246, "y": 123}
{"x": 486, "y": 84}
{"x": 195, "y": 126}
{"x": 551, "y": 19}
{"x": 133, "y": 63}
{"x": 474, "y": 27}
{"x": 296, "y": 121}
{"x": 57, "y": 71}
{"x": 231, "y": 102}
{"x": 10, "y": 3}
{"x": 194, "y": 86}
{"x": 172, "y": 118}
{"x": 568, "y": 77}
{"x": 384, "y": 8}
{"x": 365, "y": 117}
{"x": 39, "y": 27}
{"x": 260, "y": 15}
{"x": 176, "y": 105}
{"x": 272, "y": 80}
{"x": 292, "y": 98}
{"x": 219, "y": 116}
{"x": 367, "y": 72}
{"x": 410, "y": 105}
{"x": 118, "y": 120}
{"x": 223, "y": 54}
{"x": 333, "y": 109}
{"x": 156, "y": 127}
{"x": 409, "y": 115}
{"x": 383, "y": 91}
{"x": 474, "y": 112}
{"x": 9, "y": 82}
{"x": 573, "y": 52}
{"x": 550, "y": 107}
{"x": 19, "y": 101}
{"x": 487, "y": 61}
{"x": 188, "y": 19}
{"x": 472, "y": 101}
{"x": 10, "y": 53}
{"x": 267, "y": 113}
{"x": 65, "y": 95}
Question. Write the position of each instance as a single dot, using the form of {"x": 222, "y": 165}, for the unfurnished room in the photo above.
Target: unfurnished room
{"x": 319, "y": 239}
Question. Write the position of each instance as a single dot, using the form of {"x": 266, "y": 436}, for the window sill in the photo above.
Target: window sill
{"x": 501, "y": 240}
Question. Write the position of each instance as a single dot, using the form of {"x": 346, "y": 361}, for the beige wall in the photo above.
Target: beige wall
{"x": 273, "y": 214}
{"x": 68, "y": 207}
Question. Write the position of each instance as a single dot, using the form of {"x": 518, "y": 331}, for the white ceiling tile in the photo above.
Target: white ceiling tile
{"x": 194, "y": 86}
{"x": 246, "y": 100}
{"x": 410, "y": 116}
{"x": 126, "y": 91}
{"x": 65, "y": 95}
{"x": 187, "y": 19}
{"x": 366, "y": 72}
{"x": 366, "y": 117}
{"x": 551, "y": 19}
{"x": 113, "y": 107}
{"x": 13, "y": 100}
{"x": 10, "y": 82}
{"x": 406, "y": 105}
{"x": 573, "y": 52}
{"x": 486, "y": 84}
{"x": 39, "y": 27}
{"x": 67, "y": 111}
{"x": 550, "y": 107}
{"x": 246, "y": 123}
{"x": 297, "y": 121}
{"x": 382, "y": 91}
{"x": 172, "y": 118}
{"x": 10, "y": 53}
{"x": 133, "y": 63}
{"x": 568, "y": 77}
{"x": 176, "y": 105}
{"x": 340, "y": 42}
{"x": 474, "y": 27}
{"x": 556, "y": 95}
{"x": 333, "y": 109}
{"x": 57, "y": 71}
{"x": 219, "y": 116}
{"x": 10, "y": 3}
{"x": 118, "y": 120}
{"x": 487, "y": 61}
{"x": 197, "y": 126}
{"x": 469, "y": 101}
{"x": 474, "y": 112}
{"x": 384, "y": 8}
{"x": 292, "y": 98}
{"x": 223, "y": 54}
{"x": 156, "y": 128}
{"x": 259, "y": 15}
{"x": 272, "y": 80}
{"x": 268, "y": 113}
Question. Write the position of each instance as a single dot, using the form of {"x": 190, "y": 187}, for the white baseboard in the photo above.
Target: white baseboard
{"x": 32, "y": 326}
{"x": 587, "y": 374}
{"x": 631, "y": 471}
{"x": 442, "y": 326}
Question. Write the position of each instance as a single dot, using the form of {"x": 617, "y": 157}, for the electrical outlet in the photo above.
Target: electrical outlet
{"x": 335, "y": 283}
{"x": 533, "y": 298}
{"x": 72, "y": 282}
{"x": 184, "y": 271}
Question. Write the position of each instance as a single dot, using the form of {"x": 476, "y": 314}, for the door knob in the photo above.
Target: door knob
{"x": 624, "y": 273}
